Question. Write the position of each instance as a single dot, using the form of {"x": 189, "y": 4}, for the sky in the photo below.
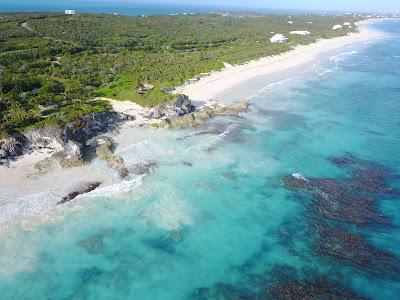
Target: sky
{"x": 337, "y": 5}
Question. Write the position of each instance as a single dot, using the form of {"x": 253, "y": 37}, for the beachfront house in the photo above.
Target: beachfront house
{"x": 337, "y": 27}
{"x": 279, "y": 38}
{"x": 70, "y": 12}
{"x": 300, "y": 32}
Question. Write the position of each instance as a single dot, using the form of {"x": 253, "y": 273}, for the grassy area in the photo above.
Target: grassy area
{"x": 47, "y": 75}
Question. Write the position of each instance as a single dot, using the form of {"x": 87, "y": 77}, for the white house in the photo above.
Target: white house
{"x": 309, "y": 22}
{"x": 279, "y": 38}
{"x": 337, "y": 27}
{"x": 290, "y": 22}
{"x": 70, "y": 12}
{"x": 300, "y": 32}
{"x": 347, "y": 24}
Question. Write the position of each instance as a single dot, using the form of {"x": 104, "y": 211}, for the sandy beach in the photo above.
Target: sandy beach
{"x": 210, "y": 86}
{"x": 207, "y": 89}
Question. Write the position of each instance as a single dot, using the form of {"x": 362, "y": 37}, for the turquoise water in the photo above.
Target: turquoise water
{"x": 214, "y": 219}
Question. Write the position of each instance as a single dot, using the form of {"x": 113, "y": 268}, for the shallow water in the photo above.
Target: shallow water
{"x": 214, "y": 218}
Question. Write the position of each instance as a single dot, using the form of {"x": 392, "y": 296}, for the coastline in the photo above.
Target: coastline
{"x": 205, "y": 91}
{"x": 202, "y": 93}
{"x": 216, "y": 83}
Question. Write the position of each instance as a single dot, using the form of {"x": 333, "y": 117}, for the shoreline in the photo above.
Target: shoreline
{"x": 218, "y": 82}
{"x": 206, "y": 90}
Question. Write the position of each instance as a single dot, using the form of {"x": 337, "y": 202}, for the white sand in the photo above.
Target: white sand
{"x": 129, "y": 108}
{"x": 21, "y": 169}
{"x": 209, "y": 87}
{"x": 206, "y": 89}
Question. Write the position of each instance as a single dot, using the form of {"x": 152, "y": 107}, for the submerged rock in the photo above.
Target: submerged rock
{"x": 95, "y": 244}
{"x": 142, "y": 168}
{"x": 351, "y": 200}
{"x": 86, "y": 189}
{"x": 353, "y": 250}
{"x": 298, "y": 289}
{"x": 187, "y": 163}
{"x": 286, "y": 289}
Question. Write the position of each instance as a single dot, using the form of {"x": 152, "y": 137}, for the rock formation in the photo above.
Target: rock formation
{"x": 182, "y": 106}
{"x": 84, "y": 190}
{"x": 104, "y": 151}
{"x": 193, "y": 118}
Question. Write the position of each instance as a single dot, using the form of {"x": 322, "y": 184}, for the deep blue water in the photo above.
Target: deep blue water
{"x": 131, "y": 8}
{"x": 222, "y": 216}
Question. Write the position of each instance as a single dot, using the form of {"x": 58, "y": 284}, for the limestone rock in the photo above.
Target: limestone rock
{"x": 182, "y": 106}
{"x": 117, "y": 164}
{"x": 193, "y": 118}
{"x": 11, "y": 147}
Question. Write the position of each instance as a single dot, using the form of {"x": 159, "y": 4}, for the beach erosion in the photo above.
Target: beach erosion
{"x": 27, "y": 193}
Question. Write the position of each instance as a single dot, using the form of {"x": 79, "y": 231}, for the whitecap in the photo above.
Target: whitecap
{"x": 325, "y": 72}
{"x": 339, "y": 57}
{"x": 299, "y": 176}
{"x": 115, "y": 189}
{"x": 230, "y": 129}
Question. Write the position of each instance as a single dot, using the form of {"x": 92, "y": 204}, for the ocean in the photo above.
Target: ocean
{"x": 133, "y": 8}
{"x": 298, "y": 197}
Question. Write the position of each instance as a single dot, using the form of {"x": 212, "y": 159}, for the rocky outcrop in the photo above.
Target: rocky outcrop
{"x": 117, "y": 164}
{"x": 182, "y": 106}
{"x": 104, "y": 151}
{"x": 143, "y": 168}
{"x": 84, "y": 190}
{"x": 69, "y": 157}
{"x": 104, "y": 148}
{"x": 68, "y": 144}
{"x": 44, "y": 138}
{"x": 194, "y": 118}
{"x": 11, "y": 147}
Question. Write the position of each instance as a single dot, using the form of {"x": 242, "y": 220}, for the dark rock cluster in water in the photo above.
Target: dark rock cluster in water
{"x": 285, "y": 286}
{"x": 350, "y": 200}
{"x": 84, "y": 190}
{"x": 95, "y": 244}
{"x": 354, "y": 250}
{"x": 297, "y": 289}
{"x": 334, "y": 199}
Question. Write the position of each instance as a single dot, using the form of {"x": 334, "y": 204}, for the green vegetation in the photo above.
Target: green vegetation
{"x": 52, "y": 65}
